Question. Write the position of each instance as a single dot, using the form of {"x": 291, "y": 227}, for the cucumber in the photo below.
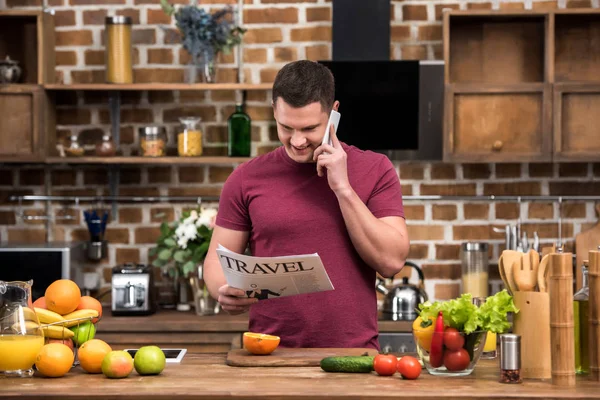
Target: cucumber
{"x": 363, "y": 364}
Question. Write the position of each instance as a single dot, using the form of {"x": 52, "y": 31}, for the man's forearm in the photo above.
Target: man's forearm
{"x": 379, "y": 244}
{"x": 213, "y": 276}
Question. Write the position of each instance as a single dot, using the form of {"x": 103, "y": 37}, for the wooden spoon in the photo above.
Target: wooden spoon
{"x": 523, "y": 274}
{"x": 543, "y": 273}
{"x": 502, "y": 272}
{"x": 508, "y": 259}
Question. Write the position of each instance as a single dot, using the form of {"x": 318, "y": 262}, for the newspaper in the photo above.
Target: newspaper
{"x": 271, "y": 277}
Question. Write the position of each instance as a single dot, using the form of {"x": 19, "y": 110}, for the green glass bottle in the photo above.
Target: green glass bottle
{"x": 238, "y": 128}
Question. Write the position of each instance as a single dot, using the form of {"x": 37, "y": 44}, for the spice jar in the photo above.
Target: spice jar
{"x": 119, "y": 64}
{"x": 510, "y": 358}
{"x": 189, "y": 139}
{"x": 106, "y": 148}
{"x": 74, "y": 149}
{"x": 153, "y": 141}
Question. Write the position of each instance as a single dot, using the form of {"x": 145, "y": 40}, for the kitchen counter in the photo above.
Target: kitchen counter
{"x": 202, "y": 376}
{"x": 178, "y": 321}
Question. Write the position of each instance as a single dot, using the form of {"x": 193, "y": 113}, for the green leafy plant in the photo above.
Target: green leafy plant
{"x": 466, "y": 317}
{"x": 183, "y": 244}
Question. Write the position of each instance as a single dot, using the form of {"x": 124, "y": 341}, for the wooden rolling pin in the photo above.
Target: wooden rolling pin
{"x": 562, "y": 335}
{"x": 594, "y": 310}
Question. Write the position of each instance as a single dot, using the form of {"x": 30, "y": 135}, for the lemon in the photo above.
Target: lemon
{"x": 423, "y": 335}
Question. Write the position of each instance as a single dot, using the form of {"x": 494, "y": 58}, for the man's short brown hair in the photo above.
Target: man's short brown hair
{"x": 303, "y": 82}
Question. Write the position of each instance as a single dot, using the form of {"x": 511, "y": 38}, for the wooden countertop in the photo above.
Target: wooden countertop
{"x": 178, "y": 321}
{"x": 203, "y": 376}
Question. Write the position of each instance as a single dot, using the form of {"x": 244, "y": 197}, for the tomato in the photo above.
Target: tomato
{"x": 456, "y": 360}
{"x": 385, "y": 364}
{"x": 453, "y": 339}
{"x": 409, "y": 367}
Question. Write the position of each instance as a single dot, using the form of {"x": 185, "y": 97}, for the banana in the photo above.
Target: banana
{"x": 57, "y": 332}
{"x": 47, "y": 316}
{"x": 79, "y": 316}
{"x": 28, "y": 327}
{"x": 28, "y": 314}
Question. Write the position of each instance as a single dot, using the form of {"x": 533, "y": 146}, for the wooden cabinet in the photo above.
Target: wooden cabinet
{"x": 576, "y": 118}
{"x": 498, "y": 99}
{"x": 26, "y": 117}
{"x": 522, "y": 86}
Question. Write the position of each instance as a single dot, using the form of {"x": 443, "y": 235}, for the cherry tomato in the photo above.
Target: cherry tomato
{"x": 385, "y": 364}
{"x": 453, "y": 340}
{"x": 456, "y": 360}
{"x": 409, "y": 367}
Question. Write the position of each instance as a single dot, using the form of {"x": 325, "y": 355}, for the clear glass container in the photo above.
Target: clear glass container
{"x": 239, "y": 133}
{"x": 21, "y": 336}
{"x": 189, "y": 138}
{"x": 490, "y": 347}
{"x": 474, "y": 258}
{"x": 581, "y": 318}
{"x": 118, "y": 53}
{"x": 74, "y": 148}
{"x": 106, "y": 148}
{"x": 153, "y": 141}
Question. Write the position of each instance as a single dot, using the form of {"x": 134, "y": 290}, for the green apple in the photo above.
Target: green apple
{"x": 149, "y": 360}
{"x": 83, "y": 332}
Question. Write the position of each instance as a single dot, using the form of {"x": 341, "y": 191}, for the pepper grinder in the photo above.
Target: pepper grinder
{"x": 594, "y": 310}
{"x": 562, "y": 335}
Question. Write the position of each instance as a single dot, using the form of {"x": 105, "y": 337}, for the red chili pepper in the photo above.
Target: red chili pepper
{"x": 436, "y": 354}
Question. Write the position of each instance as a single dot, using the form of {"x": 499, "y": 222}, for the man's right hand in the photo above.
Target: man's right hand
{"x": 234, "y": 301}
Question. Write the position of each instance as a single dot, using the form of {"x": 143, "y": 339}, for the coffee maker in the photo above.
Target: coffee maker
{"x": 133, "y": 290}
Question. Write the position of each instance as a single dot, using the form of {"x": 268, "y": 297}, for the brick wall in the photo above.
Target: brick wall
{"x": 278, "y": 32}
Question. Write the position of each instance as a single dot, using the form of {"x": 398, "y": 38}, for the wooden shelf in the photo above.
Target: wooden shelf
{"x": 146, "y": 160}
{"x": 160, "y": 86}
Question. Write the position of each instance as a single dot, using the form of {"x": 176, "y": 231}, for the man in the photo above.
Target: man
{"x": 335, "y": 200}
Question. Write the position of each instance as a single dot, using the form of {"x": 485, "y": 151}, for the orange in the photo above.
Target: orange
{"x": 90, "y": 303}
{"x": 40, "y": 303}
{"x": 260, "y": 343}
{"x": 62, "y": 296}
{"x": 91, "y": 354}
{"x": 54, "y": 360}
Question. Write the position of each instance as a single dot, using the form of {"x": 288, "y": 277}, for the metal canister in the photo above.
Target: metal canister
{"x": 118, "y": 54}
{"x": 475, "y": 269}
{"x": 510, "y": 358}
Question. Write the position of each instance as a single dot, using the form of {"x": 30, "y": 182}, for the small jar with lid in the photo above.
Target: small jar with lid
{"x": 153, "y": 141}
{"x": 106, "y": 148}
{"x": 118, "y": 54}
{"x": 189, "y": 138}
{"x": 510, "y": 358}
{"x": 74, "y": 148}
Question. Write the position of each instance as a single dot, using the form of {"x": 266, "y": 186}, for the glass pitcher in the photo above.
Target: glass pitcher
{"x": 21, "y": 336}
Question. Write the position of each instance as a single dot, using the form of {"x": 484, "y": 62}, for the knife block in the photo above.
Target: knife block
{"x": 532, "y": 322}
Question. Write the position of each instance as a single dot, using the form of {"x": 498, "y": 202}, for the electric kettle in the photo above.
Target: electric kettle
{"x": 402, "y": 300}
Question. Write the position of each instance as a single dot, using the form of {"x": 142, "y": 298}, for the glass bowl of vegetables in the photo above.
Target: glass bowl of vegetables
{"x": 450, "y": 336}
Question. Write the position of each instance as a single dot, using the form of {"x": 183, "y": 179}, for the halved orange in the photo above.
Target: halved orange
{"x": 260, "y": 343}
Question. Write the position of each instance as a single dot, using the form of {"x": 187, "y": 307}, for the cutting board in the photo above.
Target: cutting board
{"x": 584, "y": 242}
{"x": 304, "y": 357}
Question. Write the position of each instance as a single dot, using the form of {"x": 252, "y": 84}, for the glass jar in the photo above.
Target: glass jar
{"x": 118, "y": 58}
{"x": 153, "y": 141}
{"x": 189, "y": 139}
{"x": 475, "y": 269}
{"x": 74, "y": 148}
{"x": 106, "y": 148}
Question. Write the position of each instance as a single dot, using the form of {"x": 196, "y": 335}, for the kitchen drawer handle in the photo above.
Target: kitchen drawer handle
{"x": 497, "y": 146}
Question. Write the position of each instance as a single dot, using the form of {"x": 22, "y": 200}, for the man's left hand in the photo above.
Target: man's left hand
{"x": 333, "y": 158}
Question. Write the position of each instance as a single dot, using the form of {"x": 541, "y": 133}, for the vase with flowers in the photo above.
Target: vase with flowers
{"x": 205, "y": 35}
{"x": 181, "y": 248}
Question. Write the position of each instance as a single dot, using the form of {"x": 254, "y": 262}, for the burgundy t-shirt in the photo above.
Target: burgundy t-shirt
{"x": 289, "y": 210}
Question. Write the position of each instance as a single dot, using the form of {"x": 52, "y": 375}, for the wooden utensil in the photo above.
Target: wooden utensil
{"x": 523, "y": 273}
{"x": 508, "y": 259}
{"x": 542, "y": 274}
{"x": 594, "y": 314}
{"x": 502, "y": 272}
{"x": 584, "y": 243}
{"x": 284, "y": 357}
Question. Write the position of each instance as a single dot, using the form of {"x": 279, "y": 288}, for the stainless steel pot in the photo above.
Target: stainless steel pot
{"x": 402, "y": 301}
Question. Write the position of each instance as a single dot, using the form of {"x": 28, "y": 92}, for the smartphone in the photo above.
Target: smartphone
{"x": 334, "y": 118}
{"x": 171, "y": 355}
